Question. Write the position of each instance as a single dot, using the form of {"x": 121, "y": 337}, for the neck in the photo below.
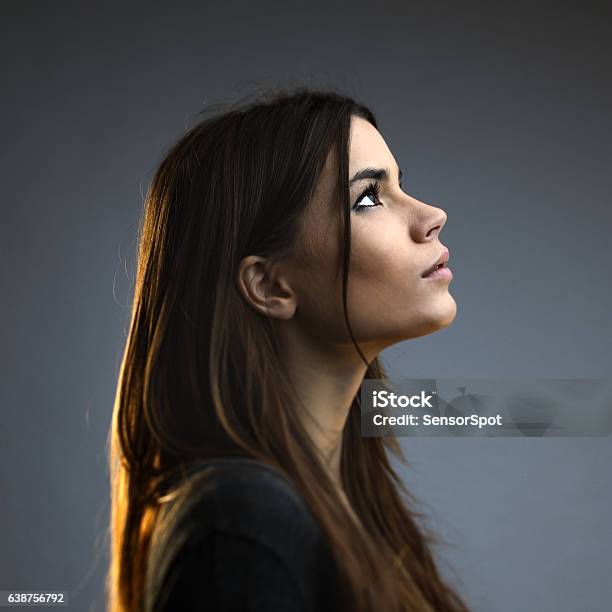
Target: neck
{"x": 326, "y": 380}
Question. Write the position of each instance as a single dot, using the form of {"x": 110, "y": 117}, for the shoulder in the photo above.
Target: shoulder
{"x": 247, "y": 529}
{"x": 248, "y": 498}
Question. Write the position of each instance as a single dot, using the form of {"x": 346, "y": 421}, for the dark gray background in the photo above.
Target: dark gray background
{"x": 499, "y": 114}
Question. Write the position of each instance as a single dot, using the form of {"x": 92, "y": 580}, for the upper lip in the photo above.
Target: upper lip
{"x": 442, "y": 259}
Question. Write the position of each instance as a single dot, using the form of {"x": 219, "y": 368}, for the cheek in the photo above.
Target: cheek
{"x": 381, "y": 286}
{"x": 382, "y": 263}
{"x": 387, "y": 298}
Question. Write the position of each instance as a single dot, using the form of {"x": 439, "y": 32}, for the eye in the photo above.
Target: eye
{"x": 372, "y": 190}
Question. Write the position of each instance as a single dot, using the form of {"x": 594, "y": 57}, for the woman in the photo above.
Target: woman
{"x": 239, "y": 477}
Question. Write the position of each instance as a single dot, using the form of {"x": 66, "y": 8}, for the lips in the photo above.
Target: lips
{"x": 439, "y": 263}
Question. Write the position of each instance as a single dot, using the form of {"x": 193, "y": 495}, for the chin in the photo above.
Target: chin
{"x": 448, "y": 312}
{"x": 441, "y": 315}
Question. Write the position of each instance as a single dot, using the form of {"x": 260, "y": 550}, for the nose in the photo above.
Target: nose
{"x": 429, "y": 223}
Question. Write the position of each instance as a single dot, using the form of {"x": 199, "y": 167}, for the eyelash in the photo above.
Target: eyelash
{"x": 372, "y": 189}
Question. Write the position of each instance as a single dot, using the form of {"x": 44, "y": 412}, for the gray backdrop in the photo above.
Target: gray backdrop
{"x": 499, "y": 114}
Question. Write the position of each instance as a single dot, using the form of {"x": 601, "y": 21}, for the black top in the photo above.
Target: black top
{"x": 247, "y": 543}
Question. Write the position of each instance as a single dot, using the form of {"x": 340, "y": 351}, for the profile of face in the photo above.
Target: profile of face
{"x": 395, "y": 239}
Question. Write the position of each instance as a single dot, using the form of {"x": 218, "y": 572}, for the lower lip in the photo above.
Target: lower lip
{"x": 439, "y": 274}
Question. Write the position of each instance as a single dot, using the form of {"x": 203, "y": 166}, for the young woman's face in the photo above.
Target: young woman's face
{"x": 395, "y": 239}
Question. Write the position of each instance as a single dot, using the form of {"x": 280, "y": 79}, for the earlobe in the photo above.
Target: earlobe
{"x": 263, "y": 289}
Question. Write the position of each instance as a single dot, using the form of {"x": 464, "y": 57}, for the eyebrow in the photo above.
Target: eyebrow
{"x": 381, "y": 174}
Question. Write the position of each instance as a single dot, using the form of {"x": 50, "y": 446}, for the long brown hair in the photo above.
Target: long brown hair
{"x": 202, "y": 373}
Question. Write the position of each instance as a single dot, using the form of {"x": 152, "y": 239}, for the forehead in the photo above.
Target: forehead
{"x": 367, "y": 147}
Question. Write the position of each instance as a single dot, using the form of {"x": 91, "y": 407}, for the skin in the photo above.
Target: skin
{"x": 388, "y": 300}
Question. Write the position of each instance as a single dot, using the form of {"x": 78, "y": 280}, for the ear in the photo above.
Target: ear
{"x": 264, "y": 289}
